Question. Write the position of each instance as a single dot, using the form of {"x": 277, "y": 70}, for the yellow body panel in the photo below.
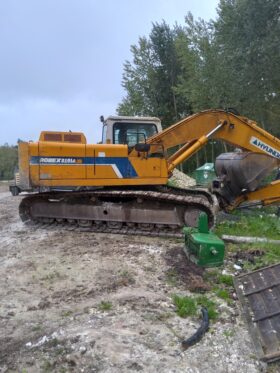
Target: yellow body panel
{"x": 58, "y": 164}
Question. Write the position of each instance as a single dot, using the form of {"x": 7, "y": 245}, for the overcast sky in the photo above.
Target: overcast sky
{"x": 61, "y": 61}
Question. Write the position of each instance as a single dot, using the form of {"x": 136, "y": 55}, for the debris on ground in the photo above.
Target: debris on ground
{"x": 181, "y": 180}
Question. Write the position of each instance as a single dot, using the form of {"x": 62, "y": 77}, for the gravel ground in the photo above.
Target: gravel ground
{"x": 87, "y": 302}
{"x": 182, "y": 180}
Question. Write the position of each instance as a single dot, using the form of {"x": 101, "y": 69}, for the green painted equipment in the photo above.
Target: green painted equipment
{"x": 205, "y": 174}
{"x": 202, "y": 247}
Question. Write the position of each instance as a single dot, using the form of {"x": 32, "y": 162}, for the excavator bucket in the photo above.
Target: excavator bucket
{"x": 241, "y": 171}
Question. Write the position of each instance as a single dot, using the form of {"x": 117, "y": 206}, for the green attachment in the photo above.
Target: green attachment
{"x": 203, "y": 223}
{"x": 202, "y": 247}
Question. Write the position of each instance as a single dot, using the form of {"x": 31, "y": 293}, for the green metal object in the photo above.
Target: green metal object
{"x": 205, "y": 174}
{"x": 202, "y": 247}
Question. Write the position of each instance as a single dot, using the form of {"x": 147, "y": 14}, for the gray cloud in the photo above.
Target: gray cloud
{"x": 61, "y": 60}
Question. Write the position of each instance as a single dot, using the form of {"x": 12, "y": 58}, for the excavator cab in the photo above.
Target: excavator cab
{"x": 129, "y": 130}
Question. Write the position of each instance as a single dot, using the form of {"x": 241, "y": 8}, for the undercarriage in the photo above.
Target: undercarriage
{"x": 158, "y": 211}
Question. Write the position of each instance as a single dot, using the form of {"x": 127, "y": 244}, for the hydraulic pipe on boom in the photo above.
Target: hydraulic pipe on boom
{"x": 197, "y": 145}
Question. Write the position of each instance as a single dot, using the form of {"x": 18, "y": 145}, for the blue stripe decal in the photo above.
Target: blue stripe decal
{"x": 122, "y": 163}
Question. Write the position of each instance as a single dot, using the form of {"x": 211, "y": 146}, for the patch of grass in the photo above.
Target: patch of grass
{"x": 105, "y": 306}
{"x": 256, "y": 223}
{"x": 125, "y": 278}
{"x": 271, "y": 254}
{"x": 223, "y": 294}
{"x": 225, "y": 279}
{"x": 189, "y": 306}
{"x": 211, "y": 306}
{"x": 185, "y": 306}
{"x": 215, "y": 277}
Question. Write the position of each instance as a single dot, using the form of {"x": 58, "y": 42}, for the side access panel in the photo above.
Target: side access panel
{"x": 58, "y": 161}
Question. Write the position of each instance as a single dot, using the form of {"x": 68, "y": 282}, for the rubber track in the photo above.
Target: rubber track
{"x": 197, "y": 198}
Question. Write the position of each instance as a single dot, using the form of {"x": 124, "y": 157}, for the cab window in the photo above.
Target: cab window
{"x": 133, "y": 133}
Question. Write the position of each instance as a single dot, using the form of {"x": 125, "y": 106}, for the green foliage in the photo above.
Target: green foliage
{"x": 230, "y": 62}
{"x": 185, "y": 306}
{"x": 223, "y": 294}
{"x": 8, "y": 161}
{"x": 189, "y": 306}
{"x": 105, "y": 306}
{"x": 255, "y": 223}
{"x": 211, "y": 306}
{"x": 150, "y": 79}
{"x": 258, "y": 224}
{"x": 225, "y": 279}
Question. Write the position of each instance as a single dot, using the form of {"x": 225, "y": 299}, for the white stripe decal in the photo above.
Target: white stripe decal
{"x": 115, "y": 168}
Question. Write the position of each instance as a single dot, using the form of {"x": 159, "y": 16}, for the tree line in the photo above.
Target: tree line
{"x": 232, "y": 61}
{"x": 8, "y": 161}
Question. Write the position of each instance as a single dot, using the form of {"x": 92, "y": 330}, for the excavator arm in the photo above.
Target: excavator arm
{"x": 239, "y": 175}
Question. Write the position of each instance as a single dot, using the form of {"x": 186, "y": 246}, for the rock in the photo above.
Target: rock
{"x": 83, "y": 350}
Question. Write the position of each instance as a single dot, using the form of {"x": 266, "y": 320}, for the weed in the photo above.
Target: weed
{"x": 215, "y": 277}
{"x": 105, "y": 306}
{"x": 258, "y": 223}
{"x": 225, "y": 279}
{"x": 229, "y": 333}
{"x": 223, "y": 294}
{"x": 125, "y": 278}
{"x": 186, "y": 306}
{"x": 211, "y": 306}
{"x": 52, "y": 276}
{"x": 66, "y": 313}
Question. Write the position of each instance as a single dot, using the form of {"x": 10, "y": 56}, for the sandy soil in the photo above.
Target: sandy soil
{"x": 52, "y": 319}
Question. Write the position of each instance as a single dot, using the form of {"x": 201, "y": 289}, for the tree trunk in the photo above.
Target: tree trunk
{"x": 242, "y": 239}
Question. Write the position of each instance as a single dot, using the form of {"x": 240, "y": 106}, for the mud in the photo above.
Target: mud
{"x": 88, "y": 302}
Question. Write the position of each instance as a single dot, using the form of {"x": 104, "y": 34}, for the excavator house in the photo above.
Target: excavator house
{"x": 120, "y": 185}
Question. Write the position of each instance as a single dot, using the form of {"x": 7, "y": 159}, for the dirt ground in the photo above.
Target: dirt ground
{"x": 87, "y": 302}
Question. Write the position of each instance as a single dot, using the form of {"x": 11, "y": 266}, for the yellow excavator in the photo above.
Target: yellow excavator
{"x": 121, "y": 184}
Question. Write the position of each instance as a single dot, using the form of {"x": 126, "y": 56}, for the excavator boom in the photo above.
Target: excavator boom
{"x": 194, "y": 132}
